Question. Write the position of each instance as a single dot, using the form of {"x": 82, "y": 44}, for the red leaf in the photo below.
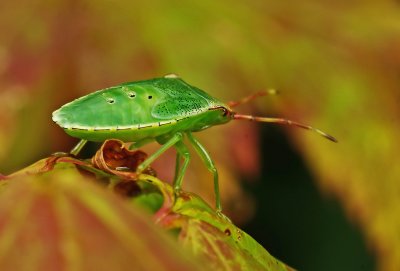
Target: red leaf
{"x": 62, "y": 221}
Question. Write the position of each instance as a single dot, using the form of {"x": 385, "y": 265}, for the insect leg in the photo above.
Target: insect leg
{"x": 78, "y": 147}
{"x": 177, "y": 165}
{"x": 182, "y": 152}
{"x": 252, "y": 97}
{"x": 177, "y": 137}
{"x": 205, "y": 156}
{"x": 140, "y": 143}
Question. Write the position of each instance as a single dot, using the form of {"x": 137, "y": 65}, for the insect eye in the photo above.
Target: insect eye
{"x": 150, "y": 97}
{"x": 131, "y": 95}
{"x": 224, "y": 112}
{"x": 110, "y": 100}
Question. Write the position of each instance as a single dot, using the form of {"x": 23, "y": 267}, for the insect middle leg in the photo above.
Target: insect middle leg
{"x": 182, "y": 152}
{"x": 205, "y": 156}
{"x": 168, "y": 144}
{"x": 140, "y": 143}
{"x": 177, "y": 164}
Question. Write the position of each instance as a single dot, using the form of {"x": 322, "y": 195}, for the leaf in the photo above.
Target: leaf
{"x": 72, "y": 222}
{"x": 60, "y": 220}
{"x": 225, "y": 251}
{"x": 114, "y": 155}
{"x": 209, "y": 234}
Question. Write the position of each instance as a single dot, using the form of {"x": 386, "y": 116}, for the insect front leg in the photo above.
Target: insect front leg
{"x": 205, "y": 156}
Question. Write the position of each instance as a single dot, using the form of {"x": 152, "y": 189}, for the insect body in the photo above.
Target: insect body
{"x": 140, "y": 110}
{"x": 161, "y": 109}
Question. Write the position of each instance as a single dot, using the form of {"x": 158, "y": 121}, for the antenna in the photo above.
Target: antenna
{"x": 252, "y": 97}
{"x": 283, "y": 121}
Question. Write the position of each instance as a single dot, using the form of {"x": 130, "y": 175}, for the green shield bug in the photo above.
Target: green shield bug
{"x": 161, "y": 109}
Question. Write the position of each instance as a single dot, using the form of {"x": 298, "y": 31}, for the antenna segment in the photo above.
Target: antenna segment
{"x": 285, "y": 122}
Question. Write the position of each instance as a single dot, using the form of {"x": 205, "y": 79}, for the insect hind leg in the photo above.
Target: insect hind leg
{"x": 75, "y": 150}
{"x": 78, "y": 147}
{"x": 205, "y": 156}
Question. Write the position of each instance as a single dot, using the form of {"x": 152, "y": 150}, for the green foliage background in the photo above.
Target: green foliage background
{"x": 335, "y": 62}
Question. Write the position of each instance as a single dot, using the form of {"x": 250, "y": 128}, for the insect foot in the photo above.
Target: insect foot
{"x": 140, "y": 169}
{"x": 61, "y": 154}
{"x": 177, "y": 193}
{"x": 222, "y": 216}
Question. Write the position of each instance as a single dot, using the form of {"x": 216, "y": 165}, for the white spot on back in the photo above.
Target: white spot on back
{"x": 171, "y": 75}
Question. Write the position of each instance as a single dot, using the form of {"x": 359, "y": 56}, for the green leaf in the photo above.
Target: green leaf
{"x": 209, "y": 234}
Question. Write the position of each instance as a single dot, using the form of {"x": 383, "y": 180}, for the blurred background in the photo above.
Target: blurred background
{"x": 314, "y": 204}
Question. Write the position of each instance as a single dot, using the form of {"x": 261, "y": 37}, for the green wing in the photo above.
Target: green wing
{"x": 180, "y": 99}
